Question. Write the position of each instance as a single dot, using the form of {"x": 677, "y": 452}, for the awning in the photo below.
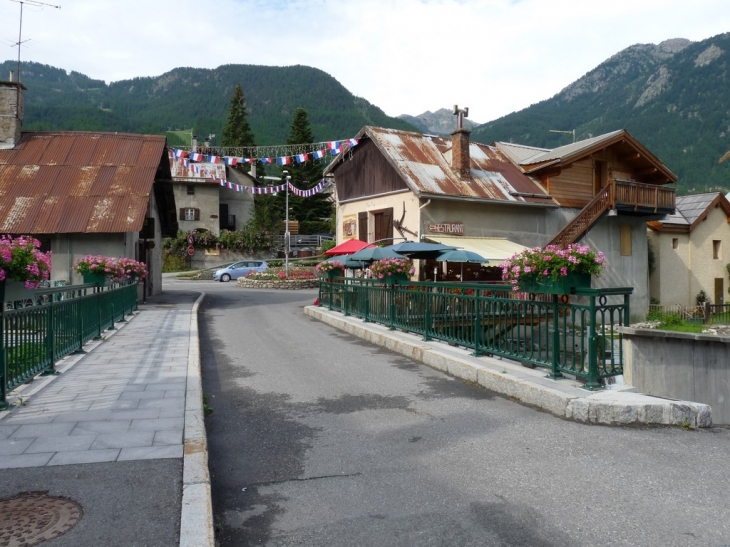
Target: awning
{"x": 348, "y": 247}
{"x": 494, "y": 249}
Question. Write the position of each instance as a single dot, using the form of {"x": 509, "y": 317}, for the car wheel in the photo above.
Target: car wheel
{"x": 225, "y": 277}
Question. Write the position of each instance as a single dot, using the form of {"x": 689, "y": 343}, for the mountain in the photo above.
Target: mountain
{"x": 442, "y": 122}
{"x": 196, "y": 98}
{"x": 673, "y": 97}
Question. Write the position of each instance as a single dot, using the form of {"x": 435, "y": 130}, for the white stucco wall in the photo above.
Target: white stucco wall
{"x": 683, "y": 272}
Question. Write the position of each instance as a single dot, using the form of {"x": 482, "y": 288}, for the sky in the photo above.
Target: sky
{"x": 404, "y": 56}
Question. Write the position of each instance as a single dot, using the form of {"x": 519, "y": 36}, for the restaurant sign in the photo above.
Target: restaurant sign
{"x": 448, "y": 228}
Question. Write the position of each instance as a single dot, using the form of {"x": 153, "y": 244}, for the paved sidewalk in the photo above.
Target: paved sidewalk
{"x": 564, "y": 398}
{"x": 123, "y": 401}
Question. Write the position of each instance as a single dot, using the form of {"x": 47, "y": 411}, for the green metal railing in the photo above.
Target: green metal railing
{"x": 574, "y": 334}
{"x": 54, "y": 323}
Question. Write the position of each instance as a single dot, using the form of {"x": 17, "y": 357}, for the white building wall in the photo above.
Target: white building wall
{"x": 68, "y": 248}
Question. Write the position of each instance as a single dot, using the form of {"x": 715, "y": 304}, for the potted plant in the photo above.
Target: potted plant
{"x": 22, "y": 262}
{"x": 96, "y": 268}
{"x": 552, "y": 269}
{"x": 392, "y": 270}
{"x": 130, "y": 269}
{"x": 329, "y": 268}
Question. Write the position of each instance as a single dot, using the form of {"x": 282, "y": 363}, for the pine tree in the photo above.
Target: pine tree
{"x": 237, "y": 131}
{"x": 306, "y": 175}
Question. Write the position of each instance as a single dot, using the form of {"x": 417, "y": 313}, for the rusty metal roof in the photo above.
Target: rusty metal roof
{"x": 78, "y": 182}
{"x": 424, "y": 162}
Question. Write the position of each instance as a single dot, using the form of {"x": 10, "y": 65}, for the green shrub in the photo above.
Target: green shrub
{"x": 314, "y": 227}
{"x": 327, "y": 245}
{"x": 173, "y": 262}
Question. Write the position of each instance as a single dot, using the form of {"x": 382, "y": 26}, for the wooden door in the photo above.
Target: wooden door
{"x": 719, "y": 290}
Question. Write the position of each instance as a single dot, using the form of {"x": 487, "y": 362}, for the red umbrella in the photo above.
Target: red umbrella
{"x": 348, "y": 247}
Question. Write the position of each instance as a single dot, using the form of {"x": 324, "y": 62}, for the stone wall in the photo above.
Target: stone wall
{"x": 679, "y": 365}
{"x": 280, "y": 284}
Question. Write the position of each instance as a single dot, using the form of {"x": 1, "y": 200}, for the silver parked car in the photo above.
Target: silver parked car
{"x": 240, "y": 269}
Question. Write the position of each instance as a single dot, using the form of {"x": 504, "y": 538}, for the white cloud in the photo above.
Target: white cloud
{"x": 405, "y": 56}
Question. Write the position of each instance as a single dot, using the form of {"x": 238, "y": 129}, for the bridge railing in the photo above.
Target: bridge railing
{"x": 568, "y": 334}
{"x": 54, "y": 323}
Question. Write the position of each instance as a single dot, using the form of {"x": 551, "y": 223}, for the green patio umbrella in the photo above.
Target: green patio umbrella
{"x": 462, "y": 255}
{"x": 418, "y": 249}
{"x": 347, "y": 261}
{"x": 371, "y": 254}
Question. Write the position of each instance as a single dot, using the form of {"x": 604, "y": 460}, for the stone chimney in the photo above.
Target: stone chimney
{"x": 460, "y": 159}
{"x": 11, "y": 113}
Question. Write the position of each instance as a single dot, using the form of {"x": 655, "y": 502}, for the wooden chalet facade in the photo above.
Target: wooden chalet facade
{"x": 600, "y": 191}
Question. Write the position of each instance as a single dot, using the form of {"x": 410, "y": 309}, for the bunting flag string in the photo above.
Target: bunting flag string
{"x": 271, "y": 190}
{"x": 335, "y": 148}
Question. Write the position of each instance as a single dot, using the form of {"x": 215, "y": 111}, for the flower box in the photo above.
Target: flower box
{"x": 331, "y": 274}
{"x": 392, "y": 279}
{"x": 10, "y": 291}
{"x": 565, "y": 284}
{"x": 552, "y": 269}
{"x": 92, "y": 277}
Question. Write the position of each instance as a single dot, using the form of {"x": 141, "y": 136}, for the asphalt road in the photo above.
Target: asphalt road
{"x": 318, "y": 438}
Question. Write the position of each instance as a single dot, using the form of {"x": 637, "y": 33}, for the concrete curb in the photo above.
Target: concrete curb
{"x": 196, "y": 517}
{"x": 563, "y": 398}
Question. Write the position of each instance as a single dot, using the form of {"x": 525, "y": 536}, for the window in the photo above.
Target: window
{"x": 191, "y": 189}
{"x": 189, "y": 213}
{"x": 716, "y": 249}
{"x": 625, "y": 240}
{"x": 675, "y": 242}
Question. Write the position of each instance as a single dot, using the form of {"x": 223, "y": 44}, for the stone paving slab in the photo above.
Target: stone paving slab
{"x": 123, "y": 401}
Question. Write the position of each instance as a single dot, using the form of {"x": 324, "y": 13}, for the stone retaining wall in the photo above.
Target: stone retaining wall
{"x": 281, "y": 284}
{"x": 680, "y": 365}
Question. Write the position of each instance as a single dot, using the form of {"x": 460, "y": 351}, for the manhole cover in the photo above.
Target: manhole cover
{"x": 31, "y": 518}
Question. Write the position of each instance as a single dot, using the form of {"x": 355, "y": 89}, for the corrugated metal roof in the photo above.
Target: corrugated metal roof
{"x": 78, "y": 182}
{"x": 519, "y": 153}
{"x": 424, "y": 162}
{"x": 570, "y": 149}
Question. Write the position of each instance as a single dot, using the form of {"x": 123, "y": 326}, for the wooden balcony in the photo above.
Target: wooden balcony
{"x": 642, "y": 198}
{"x": 623, "y": 196}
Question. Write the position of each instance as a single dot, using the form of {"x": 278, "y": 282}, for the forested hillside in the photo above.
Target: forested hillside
{"x": 674, "y": 97}
{"x": 196, "y": 98}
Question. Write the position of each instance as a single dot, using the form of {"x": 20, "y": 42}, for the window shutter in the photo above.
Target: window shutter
{"x": 388, "y": 225}
{"x": 362, "y": 226}
{"x": 197, "y": 214}
{"x": 182, "y": 213}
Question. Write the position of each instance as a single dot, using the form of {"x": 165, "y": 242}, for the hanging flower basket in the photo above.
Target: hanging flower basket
{"x": 21, "y": 261}
{"x": 329, "y": 269}
{"x": 552, "y": 269}
{"x": 392, "y": 270}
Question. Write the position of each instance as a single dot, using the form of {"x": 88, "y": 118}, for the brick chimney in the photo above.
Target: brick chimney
{"x": 460, "y": 159}
{"x": 11, "y": 113}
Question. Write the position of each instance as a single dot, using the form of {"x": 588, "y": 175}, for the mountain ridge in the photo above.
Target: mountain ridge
{"x": 671, "y": 96}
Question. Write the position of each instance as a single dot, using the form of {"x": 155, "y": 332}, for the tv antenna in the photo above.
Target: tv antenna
{"x": 572, "y": 132}
{"x": 20, "y": 26}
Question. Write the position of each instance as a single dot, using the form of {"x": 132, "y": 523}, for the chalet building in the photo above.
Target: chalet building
{"x": 496, "y": 198}
{"x": 203, "y": 204}
{"x": 691, "y": 251}
{"x": 84, "y": 193}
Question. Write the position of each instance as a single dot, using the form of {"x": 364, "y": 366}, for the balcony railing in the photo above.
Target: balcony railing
{"x": 642, "y": 197}
{"x": 621, "y": 195}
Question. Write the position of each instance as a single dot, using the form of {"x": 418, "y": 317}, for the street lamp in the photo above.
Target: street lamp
{"x": 287, "y": 247}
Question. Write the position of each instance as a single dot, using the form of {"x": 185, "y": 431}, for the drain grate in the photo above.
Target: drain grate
{"x": 34, "y": 517}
